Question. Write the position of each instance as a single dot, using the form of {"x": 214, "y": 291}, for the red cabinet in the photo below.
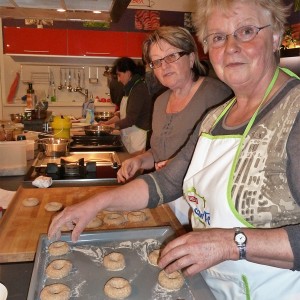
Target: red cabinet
{"x": 44, "y": 41}
{"x": 40, "y": 41}
{"x": 96, "y": 43}
{"x": 135, "y": 43}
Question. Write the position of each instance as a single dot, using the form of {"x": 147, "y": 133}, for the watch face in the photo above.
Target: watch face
{"x": 240, "y": 238}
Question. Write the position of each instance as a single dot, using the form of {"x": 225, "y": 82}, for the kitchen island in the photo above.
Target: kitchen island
{"x": 20, "y": 229}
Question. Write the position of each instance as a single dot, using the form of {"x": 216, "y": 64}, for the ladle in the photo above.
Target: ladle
{"x": 60, "y": 87}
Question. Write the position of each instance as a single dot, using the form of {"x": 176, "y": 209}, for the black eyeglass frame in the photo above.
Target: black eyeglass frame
{"x": 181, "y": 53}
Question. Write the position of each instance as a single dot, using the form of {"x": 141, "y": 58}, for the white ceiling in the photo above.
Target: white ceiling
{"x": 75, "y": 9}
{"x": 85, "y": 5}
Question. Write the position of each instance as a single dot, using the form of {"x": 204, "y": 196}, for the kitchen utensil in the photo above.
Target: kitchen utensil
{"x": 65, "y": 83}
{"x": 97, "y": 130}
{"x": 60, "y": 87}
{"x": 70, "y": 82}
{"x": 55, "y": 147}
{"x": 103, "y": 115}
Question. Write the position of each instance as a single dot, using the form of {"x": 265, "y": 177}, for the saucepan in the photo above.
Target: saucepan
{"x": 98, "y": 130}
{"x": 55, "y": 146}
{"x": 103, "y": 116}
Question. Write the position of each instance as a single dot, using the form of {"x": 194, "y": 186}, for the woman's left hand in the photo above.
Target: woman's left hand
{"x": 198, "y": 250}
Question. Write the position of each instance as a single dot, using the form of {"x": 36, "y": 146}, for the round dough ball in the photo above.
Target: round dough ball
{"x": 114, "y": 219}
{"x": 117, "y": 288}
{"x": 59, "y": 268}
{"x": 29, "y": 202}
{"x": 136, "y": 216}
{"x": 53, "y": 206}
{"x": 171, "y": 282}
{"x": 58, "y": 248}
{"x": 153, "y": 257}
{"x": 96, "y": 222}
{"x": 55, "y": 291}
{"x": 114, "y": 261}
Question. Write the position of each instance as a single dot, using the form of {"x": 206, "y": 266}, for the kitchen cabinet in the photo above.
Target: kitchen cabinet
{"x": 38, "y": 41}
{"x": 96, "y": 43}
{"x": 135, "y": 43}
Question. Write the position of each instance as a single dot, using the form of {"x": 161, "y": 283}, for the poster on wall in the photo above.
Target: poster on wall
{"x": 147, "y": 19}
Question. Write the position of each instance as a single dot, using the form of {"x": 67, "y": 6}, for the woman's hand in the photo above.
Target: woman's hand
{"x": 159, "y": 165}
{"x": 75, "y": 217}
{"x": 198, "y": 250}
{"x": 128, "y": 169}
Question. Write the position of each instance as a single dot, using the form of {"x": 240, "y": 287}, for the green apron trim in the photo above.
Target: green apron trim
{"x": 246, "y": 286}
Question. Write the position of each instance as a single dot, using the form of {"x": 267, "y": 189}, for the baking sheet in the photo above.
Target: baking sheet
{"x": 88, "y": 275}
{"x": 103, "y": 158}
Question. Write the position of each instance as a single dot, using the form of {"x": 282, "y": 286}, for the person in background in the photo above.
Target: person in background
{"x": 134, "y": 118}
{"x": 172, "y": 55}
{"x": 116, "y": 88}
{"x": 242, "y": 178}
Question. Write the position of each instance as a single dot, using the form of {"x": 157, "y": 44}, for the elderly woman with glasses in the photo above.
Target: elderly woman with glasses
{"x": 172, "y": 54}
{"x": 242, "y": 178}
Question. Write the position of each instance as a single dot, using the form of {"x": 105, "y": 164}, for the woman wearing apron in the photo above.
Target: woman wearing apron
{"x": 134, "y": 118}
{"x": 241, "y": 175}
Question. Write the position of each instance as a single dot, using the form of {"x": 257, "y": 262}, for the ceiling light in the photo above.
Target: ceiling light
{"x": 61, "y": 10}
{"x": 97, "y": 12}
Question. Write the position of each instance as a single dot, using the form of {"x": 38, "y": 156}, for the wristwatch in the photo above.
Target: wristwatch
{"x": 241, "y": 241}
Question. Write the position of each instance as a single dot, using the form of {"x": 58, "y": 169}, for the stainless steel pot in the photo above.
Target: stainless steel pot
{"x": 55, "y": 147}
{"x": 103, "y": 116}
{"x": 97, "y": 130}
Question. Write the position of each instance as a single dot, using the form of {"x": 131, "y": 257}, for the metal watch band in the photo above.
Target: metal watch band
{"x": 241, "y": 245}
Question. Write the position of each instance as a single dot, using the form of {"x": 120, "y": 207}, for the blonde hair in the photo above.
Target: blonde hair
{"x": 276, "y": 8}
{"x": 178, "y": 37}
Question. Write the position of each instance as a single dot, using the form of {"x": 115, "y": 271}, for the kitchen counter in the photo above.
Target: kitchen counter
{"x": 16, "y": 276}
{"x": 21, "y": 237}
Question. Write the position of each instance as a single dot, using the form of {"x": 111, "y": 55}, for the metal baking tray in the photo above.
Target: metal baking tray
{"x": 88, "y": 275}
{"x": 103, "y": 158}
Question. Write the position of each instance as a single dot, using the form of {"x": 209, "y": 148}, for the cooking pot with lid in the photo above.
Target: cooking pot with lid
{"x": 103, "y": 116}
{"x": 55, "y": 146}
{"x": 98, "y": 130}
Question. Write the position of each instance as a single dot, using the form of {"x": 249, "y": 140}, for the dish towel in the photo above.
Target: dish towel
{"x": 42, "y": 182}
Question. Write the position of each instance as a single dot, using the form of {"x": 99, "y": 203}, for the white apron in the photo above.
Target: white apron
{"x": 207, "y": 188}
{"x": 133, "y": 138}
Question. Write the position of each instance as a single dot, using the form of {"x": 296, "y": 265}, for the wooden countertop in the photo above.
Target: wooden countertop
{"x": 21, "y": 226}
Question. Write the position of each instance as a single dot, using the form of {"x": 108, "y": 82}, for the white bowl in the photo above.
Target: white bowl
{"x": 3, "y": 292}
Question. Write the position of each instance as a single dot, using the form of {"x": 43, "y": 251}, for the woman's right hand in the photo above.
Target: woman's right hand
{"x": 128, "y": 169}
{"x": 75, "y": 217}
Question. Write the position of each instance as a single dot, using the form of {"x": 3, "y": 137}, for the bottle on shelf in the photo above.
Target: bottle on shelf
{"x": 52, "y": 92}
{"x": 30, "y": 97}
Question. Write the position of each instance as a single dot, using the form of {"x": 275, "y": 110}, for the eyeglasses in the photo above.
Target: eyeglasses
{"x": 168, "y": 59}
{"x": 242, "y": 34}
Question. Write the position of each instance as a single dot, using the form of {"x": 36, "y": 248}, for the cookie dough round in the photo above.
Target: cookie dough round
{"x": 114, "y": 219}
{"x": 58, "y": 248}
{"x": 55, "y": 291}
{"x": 171, "y": 282}
{"x": 53, "y": 206}
{"x": 153, "y": 257}
{"x": 136, "y": 216}
{"x": 96, "y": 222}
{"x": 29, "y": 202}
{"x": 114, "y": 261}
{"x": 58, "y": 269}
{"x": 117, "y": 288}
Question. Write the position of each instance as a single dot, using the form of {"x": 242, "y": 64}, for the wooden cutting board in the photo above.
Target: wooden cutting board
{"x": 21, "y": 226}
